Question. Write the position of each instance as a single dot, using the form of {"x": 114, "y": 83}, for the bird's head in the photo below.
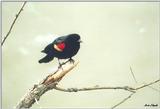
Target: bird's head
{"x": 75, "y": 38}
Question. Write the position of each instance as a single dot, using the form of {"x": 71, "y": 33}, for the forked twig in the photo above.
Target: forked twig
{"x": 153, "y": 88}
{"x": 145, "y": 85}
{"x": 135, "y": 89}
{"x": 51, "y": 82}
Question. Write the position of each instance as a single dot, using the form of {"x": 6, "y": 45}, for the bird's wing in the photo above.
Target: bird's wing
{"x": 60, "y": 40}
{"x": 56, "y": 42}
{"x": 48, "y": 48}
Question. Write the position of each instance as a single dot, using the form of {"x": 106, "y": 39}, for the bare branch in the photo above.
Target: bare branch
{"x": 47, "y": 84}
{"x": 127, "y": 88}
{"x": 135, "y": 90}
{"x": 125, "y": 99}
{"x": 153, "y": 88}
{"x": 51, "y": 82}
{"x": 145, "y": 85}
{"x": 133, "y": 74}
{"x": 13, "y": 23}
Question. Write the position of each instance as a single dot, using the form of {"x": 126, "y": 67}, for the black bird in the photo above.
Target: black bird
{"x": 63, "y": 47}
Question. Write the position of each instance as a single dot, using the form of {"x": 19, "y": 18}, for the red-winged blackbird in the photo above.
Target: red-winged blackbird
{"x": 62, "y": 48}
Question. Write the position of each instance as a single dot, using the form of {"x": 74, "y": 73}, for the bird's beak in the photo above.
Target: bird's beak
{"x": 80, "y": 41}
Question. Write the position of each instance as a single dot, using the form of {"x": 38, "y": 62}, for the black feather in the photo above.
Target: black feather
{"x": 46, "y": 59}
{"x": 72, "y": 45}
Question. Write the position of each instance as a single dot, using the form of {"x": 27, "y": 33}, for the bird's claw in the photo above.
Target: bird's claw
{"x": 71, "y": 60}
{"x": 60, "y": 66}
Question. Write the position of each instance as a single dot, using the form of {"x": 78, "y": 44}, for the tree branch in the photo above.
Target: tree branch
{"x": 133, "y": 74}
{"x": 125, "y": 99}
{"x": 17, "y": 15}
{"x": 45, "y": 85}
{"x": 126, "y": 88}
{"x": 145, "y": 85}
{"x": 51, "y": 82}
{"x": 151, "y": 87}
{"x": 135, "y": 90}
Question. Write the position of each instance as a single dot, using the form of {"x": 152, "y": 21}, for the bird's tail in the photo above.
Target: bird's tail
{"x": 46, "y": 59}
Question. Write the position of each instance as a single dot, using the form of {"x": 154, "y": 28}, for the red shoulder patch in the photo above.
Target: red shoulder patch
{"x": 61, "y": 46}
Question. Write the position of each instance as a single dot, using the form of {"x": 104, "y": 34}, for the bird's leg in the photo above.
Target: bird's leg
{"x": 60, "y": 65}
{"x": 71, "y": 60}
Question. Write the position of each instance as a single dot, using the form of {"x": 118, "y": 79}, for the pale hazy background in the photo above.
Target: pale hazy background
{"x": 116, "y": 36}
